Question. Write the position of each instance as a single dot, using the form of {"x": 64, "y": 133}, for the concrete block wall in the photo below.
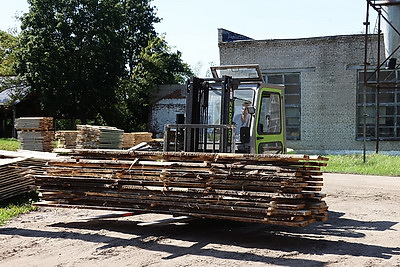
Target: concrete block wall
{"x": 328, "y": 67}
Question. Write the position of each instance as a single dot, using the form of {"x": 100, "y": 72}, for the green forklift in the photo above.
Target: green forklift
{"x": 232, "y": 112}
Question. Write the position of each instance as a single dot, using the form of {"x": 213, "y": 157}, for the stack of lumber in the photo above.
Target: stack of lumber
{"x": 133, "y": 139}
{"x": 34, "y": 123}
{"x": 275, "y": 189}
{"x": 101, "y": 137}
{"x": 66, "y": 139}
{"x": 16, "y": 169}
{"x": 36, "y": 140}
{"x": 35, "y": 133}
{"x": 13, "y": 181}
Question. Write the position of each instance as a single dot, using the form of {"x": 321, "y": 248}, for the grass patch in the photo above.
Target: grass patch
{"x": 376, "y": 164}
{"x": 10, "y": 144}
{"x": 16, "y": 205}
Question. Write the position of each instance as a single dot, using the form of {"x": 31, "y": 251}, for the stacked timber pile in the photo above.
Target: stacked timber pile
{"x": 13, "y": 178}
{"x": 16, "y": 169}
{"x": 36, "y": 140}
{"x": 275, "y": 189}
{"x": 34, "y": 123}
{"x": 66, "y": 139}
{"x": 35, "y": 133}
{"x": 101, "y": 137}
{"x": 133, "y": 139}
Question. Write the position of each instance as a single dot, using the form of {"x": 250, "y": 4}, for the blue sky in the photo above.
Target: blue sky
{"x": 190, "y": 26}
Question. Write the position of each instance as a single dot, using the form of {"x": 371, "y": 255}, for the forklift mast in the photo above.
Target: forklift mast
{"x": 197, "y": 107}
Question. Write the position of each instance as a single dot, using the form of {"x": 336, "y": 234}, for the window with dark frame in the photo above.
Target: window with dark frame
{"x": 389, "y": 107}
{"x": 292, "y": 101}
{"x": 270, "y": 114}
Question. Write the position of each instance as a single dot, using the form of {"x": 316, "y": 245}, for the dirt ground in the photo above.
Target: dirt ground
{"x": 363, "y": 230}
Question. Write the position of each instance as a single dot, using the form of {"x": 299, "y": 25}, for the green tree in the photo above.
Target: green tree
{"x": 157, "y": 65}
{"x": 96, "y": 59}
{"x": 72, "y": 54}
{"x": 138, "y": 29}
{"x": 8, "y": 44}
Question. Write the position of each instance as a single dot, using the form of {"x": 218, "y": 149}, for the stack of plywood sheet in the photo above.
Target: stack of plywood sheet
{"x": 133, "y": 139}
{"x": 66, "y": 139}
{"x": 102, "y": 137}
{"x": 35, "y": 133}
{"x": 275, "y": 189}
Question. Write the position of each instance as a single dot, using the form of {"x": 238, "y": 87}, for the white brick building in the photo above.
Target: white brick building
{"x": 168, "y": 108}
{"x": 324, "y": 104}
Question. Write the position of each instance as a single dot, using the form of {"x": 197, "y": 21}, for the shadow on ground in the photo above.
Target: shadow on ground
{"x": 338, "y": 236}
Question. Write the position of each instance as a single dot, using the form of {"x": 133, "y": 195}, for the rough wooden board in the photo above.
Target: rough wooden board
{"x": 183, "y": 155}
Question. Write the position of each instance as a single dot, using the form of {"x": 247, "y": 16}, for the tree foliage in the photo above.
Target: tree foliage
{"x": 8, "y": 44}
{"x": 8, "y": 77}
{"x": 72, "y": 54}
{"x": 91, "y": 58}
{"x": 157, "y": 65}
{"x": 138, "y": 29}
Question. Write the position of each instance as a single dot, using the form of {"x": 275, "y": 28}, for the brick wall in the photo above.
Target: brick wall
{"x": 328, "y": 68}
{"x": 170, "y": 102}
